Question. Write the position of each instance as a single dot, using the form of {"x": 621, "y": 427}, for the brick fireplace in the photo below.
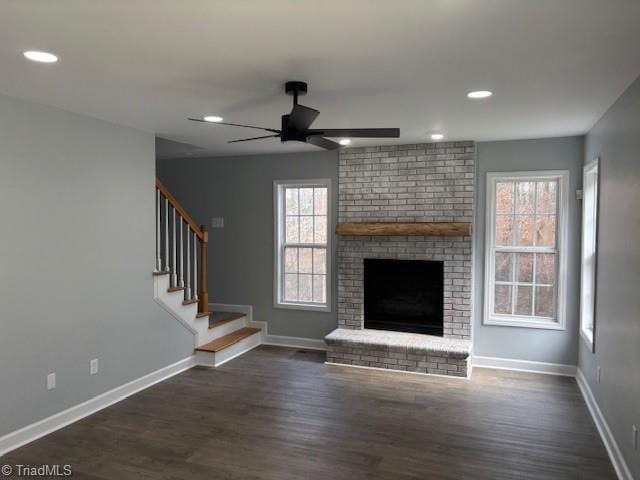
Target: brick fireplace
{"x": 421, "y": 183}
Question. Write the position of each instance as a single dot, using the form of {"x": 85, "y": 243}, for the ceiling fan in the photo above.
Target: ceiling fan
{"x": 295, "y": 125}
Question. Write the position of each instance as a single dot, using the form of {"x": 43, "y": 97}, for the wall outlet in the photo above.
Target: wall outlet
{"x": 598, "y": 373}
{"x": 93, "y": 366}
{"x": 634, "y": 436}
{"x": 51, "y": 381}
{"x": 217, "y": 222}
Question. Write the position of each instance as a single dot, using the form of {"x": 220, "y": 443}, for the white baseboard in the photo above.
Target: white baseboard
{"x": 32, "y": 432}
{"x": 295, "y": 342}
{"x": 524, "y": 366}
{"x": 609, "y": 441}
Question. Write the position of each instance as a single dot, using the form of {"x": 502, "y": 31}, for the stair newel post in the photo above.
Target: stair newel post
{"x": 203, "y": 301}
{"x": 188, "y": 289}
{"x": 181, "y": 254}
{"x": 174, "y": 264}
{"x": 195, "y": 269}
{"x": 158, "y": 220}
{"x": 166, "y": 234}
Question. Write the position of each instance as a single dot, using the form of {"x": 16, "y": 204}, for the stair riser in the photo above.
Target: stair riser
{"x": 226, "y": 328}
{"x": 211, "y": 359}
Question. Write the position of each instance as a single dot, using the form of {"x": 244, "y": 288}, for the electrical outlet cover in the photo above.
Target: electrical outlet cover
{"x": 51, "y": 381}
{"x": 93, "y": 366}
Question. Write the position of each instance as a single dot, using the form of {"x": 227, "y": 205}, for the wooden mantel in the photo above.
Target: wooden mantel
{"x": 426, "y": 229}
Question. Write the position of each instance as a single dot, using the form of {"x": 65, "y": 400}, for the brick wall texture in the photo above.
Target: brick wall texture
{"x": 431, "y": 182}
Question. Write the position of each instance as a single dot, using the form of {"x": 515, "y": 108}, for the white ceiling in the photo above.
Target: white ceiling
{"x": 555, "y": 65}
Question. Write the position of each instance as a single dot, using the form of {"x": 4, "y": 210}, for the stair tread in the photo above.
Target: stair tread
{"x": 220, "y": 318}
{"x": 228, "y": 340}
{"x": 203, "y": 314}
{"x": 175, "y": 289}
{"x": 156, "y": 274}
{"x": 189, "y": 302}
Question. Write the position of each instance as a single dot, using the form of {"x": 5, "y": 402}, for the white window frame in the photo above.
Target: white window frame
{"x": 590, "y": 187}
{"x": 279, "y": 231}
{"x": 559, "y": 323}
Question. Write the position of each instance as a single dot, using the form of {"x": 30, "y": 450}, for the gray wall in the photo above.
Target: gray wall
{"x": 616, "y": 140}
{"x": 76, "y": 254}
{"x": 526, "y": 343}
{"x": 240, "y": 189}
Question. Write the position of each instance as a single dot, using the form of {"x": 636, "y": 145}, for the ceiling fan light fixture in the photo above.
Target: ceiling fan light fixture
{"x": 437, "y": 136}
{"x": 476, "y": 94}
{"x": 345, "y": 141}
{"x": 40, "y": 57}
{"x": 213, "y": 119}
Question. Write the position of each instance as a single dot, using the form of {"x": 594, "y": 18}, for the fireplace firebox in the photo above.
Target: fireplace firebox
{"x": 404, "y": 295}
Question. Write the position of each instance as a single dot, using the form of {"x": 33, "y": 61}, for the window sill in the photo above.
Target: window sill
{"x": 524, "y": 322}
{"x": 587, "y": 336}
{"x": 302, "y": 306}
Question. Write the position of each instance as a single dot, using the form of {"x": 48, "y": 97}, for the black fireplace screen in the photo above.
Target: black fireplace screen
{"x": 403, "y": 295}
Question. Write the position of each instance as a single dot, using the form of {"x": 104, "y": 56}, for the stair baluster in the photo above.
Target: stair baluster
{"x": 181, "y": 247}
{"x": 166, "y": 235}
{"x": 158, "y": 220}
{"x": 174, "y": 265}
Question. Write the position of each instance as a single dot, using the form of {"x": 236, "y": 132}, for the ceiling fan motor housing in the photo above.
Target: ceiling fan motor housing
{"x": 295, "y": 88}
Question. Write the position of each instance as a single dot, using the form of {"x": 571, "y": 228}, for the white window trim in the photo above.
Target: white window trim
{"x": 562, "y": 233}
{"x": 279, "y": 225}
{"x": 592, "y": 168}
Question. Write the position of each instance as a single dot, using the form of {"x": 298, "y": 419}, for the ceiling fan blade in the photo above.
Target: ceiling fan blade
{"x": 356, "y": 132}
{"x": 235, "y": 125}
{"x": 253, "y": 138}
{"x": 301, "y": 117}
{"x": 323, "y": 142}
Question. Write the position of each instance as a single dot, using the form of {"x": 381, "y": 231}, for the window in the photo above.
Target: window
{"x": 525, "y": 249}
{"x": 589, "y": 234}
{"x": 302, "y": 244}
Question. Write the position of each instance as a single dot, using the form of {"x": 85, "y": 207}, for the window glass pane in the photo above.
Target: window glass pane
{"x": 546, "y": 230}
{"x": 319, "y": 260}
{"x": 502, "y": 302}
{"x": 504, "y": 197}
{"x": 546, "y": 196}
{"x": 305, "y": 260}
{"x": 525, "y": 197}
{"x": 290, "y": 287}
{"x": 544, "y": 302}
{"x": 305, "y": 287}
{"x": 320, "y": 201}
{"x": 524, "y": 226}
{"x": 319, "y": 289}
{"x": 545, "y": 268}
{"x": 524, "y": 297}
{"x": 291, "y": 228}
{"x": 291, "y": 201}
{"x": 320, "y": 230}
{"x": 504, "y": 267}
{"x": 524, "y": 267}
{"x": 290, "y": 260}
{"x": 504, "y": 230}
{"x": 306, "y": 201}
{"x": 306, "y": 229}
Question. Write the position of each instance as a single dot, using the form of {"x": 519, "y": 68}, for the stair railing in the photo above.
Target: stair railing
{"x": 177, "y": 252}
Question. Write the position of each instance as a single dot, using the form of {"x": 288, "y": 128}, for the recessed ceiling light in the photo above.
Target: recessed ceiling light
{"x": 344, "y": 141}
{"x": 212, "y": 118}
{"x": 42, "y": 57}
{"x": 437, "y": 136}
{"x": 479, "y": 94}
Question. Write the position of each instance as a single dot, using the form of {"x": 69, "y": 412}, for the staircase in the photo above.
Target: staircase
{"x": 180, "y": 286}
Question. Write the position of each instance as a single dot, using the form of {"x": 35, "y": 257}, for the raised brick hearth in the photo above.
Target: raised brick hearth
{"x": 431, "y": 182}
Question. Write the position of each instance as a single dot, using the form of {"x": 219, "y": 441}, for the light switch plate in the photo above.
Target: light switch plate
{"x": 217, "y": 222}
{"x": 634, "y": 439}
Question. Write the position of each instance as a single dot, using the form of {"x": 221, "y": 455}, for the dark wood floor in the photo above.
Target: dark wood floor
{"x": 278, "y": 413}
